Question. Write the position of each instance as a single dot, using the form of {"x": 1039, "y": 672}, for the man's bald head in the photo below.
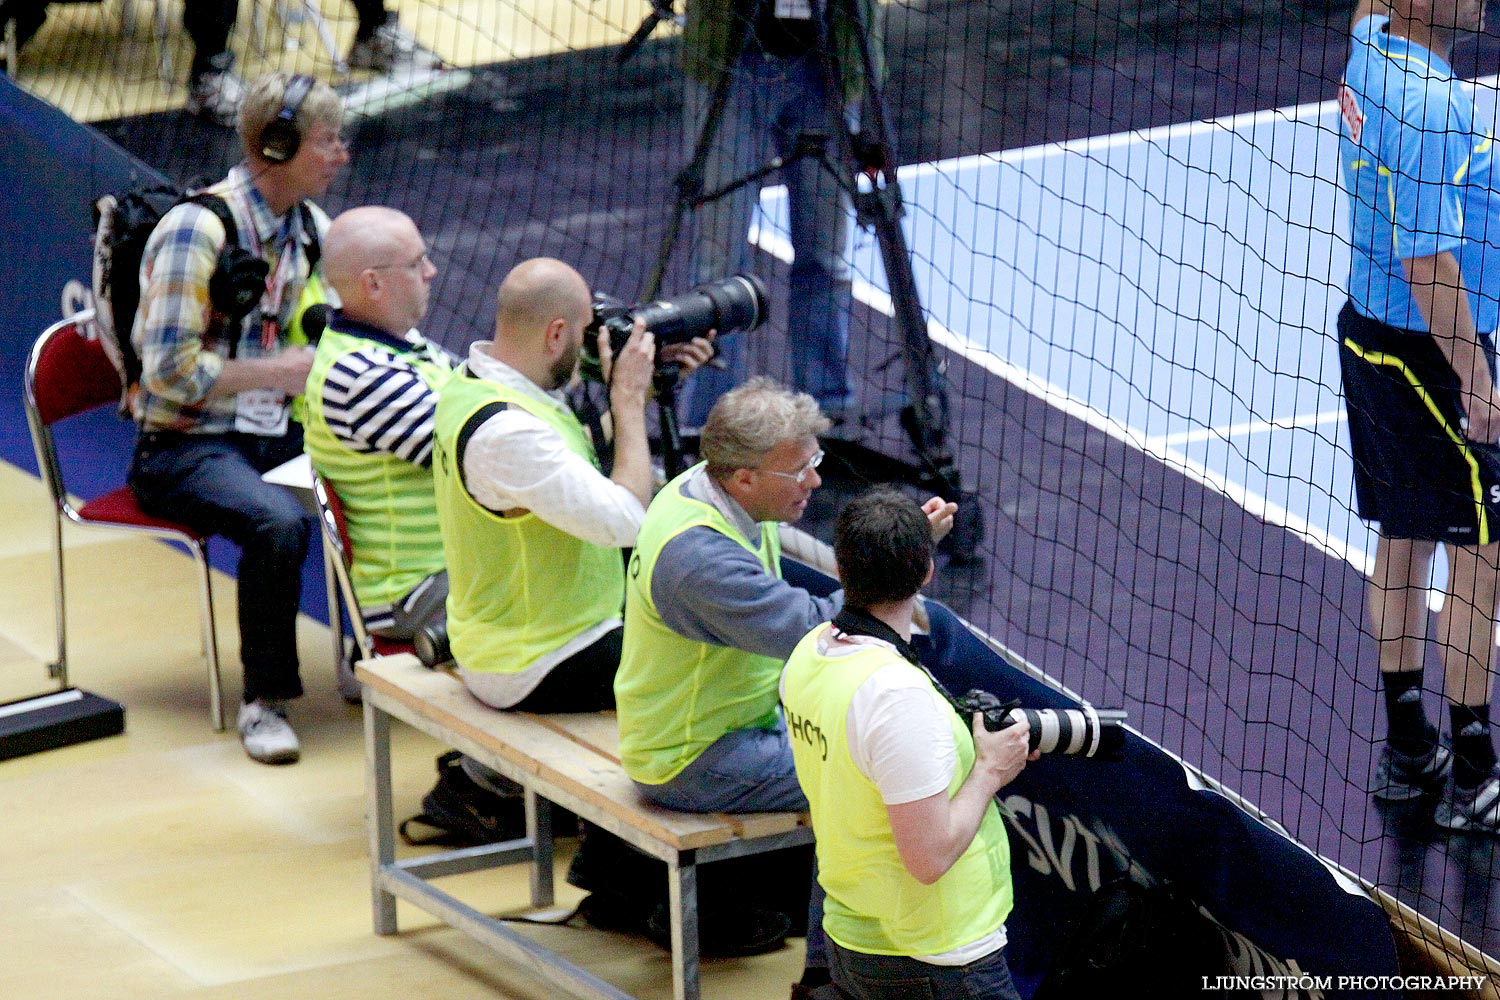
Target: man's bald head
{"x": 540, "y": 314}
{"x": 537, "y": 292}
{"x": 365, "y": 237}
{"x": 376, "y": 260}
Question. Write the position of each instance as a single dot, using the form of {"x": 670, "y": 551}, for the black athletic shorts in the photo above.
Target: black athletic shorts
{"x": 1414, "y": 471}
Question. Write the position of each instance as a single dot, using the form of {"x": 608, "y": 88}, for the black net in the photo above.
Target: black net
{"x": 1126, "y": 228}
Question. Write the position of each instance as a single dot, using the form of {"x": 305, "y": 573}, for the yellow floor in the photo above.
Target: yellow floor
{"x": 164, "y": 863}
{"x": 87, "y": 63}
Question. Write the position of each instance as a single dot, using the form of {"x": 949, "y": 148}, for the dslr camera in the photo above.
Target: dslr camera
{"x": 729, "y": 304}
{"x": 1077, "y": 732}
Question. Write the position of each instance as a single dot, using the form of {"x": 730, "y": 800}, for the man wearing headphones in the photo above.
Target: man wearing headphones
{"x": 218, "y": 374}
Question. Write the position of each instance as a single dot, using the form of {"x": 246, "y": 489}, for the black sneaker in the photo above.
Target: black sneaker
{"x": 1472, "y": 810}
{"x": 1401, "y": 777}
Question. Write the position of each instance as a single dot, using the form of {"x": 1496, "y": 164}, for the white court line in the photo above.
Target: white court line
{"x": 1253, "y": 503}
{"x": 1096, "y": 143}
{"x": 1092, "y": 144}
{"x": 1163, "y": 449}
{"x": 1250, "y": 427}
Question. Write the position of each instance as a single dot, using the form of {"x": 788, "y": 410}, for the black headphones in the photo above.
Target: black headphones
{"x": 280, "y": 139}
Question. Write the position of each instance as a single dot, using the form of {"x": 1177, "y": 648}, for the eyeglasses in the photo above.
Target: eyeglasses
{"x": 415, "y": 264}
{"x": 800, "y": 476}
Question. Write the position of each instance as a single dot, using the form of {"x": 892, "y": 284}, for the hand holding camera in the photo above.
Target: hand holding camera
{"x": 1076, "y": 732}
{"x": 1001, "y": 754}
{"x": 628, "y": 374}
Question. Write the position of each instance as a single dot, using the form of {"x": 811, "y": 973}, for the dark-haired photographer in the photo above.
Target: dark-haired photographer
{"x": 912, "y": 852}
{"x": 213, "y": 408}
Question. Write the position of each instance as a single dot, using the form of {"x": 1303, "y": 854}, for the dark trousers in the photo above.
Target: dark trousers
{"x": 208, "y": 23}
{"x": 212, "y": 484}
{"x": 893, "y": 977}
{"x": 584, "y": 682}
{"x": 372, "y": 14}
{"x": 29, "y": 16}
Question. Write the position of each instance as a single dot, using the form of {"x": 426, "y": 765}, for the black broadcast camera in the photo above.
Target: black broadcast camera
{"x": 727, "y": 305}
{"x": 1078, "y": 732}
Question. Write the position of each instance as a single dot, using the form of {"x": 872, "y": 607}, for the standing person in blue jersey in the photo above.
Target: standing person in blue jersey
{"x": 1416, "y": 344}
{"x": 912, "y": 852}
{"x": 213, "y": 408}
{"x": 709, "y": 621}
{"x": 371, "y": 398}
{"x": 778, "y": 92}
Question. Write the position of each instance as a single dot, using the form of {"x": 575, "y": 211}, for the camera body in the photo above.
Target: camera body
{"x": 727, "y": 305}
{"x": 238, "y": 282}
{"x": 1077, "y": 732}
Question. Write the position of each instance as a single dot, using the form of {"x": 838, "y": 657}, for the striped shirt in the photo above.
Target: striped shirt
{"x": 181, "y": 343}
{"x": 375, "y": 400}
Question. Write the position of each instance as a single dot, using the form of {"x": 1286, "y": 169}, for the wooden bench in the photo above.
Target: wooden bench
{"x": 570, "y": 760}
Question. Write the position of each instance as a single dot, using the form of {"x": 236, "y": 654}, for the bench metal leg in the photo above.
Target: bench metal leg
{"x": 539, "y": 832}
{"x": 682, "y": 893}
{"x": 379, "y": 812}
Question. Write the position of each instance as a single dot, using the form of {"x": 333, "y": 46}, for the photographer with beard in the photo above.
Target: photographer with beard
{"x": 532, "y": 528}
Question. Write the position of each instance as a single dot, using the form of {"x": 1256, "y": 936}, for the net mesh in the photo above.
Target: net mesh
{"x": 1126, "y": 225}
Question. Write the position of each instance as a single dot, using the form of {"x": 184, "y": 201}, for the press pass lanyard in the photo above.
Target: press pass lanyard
{"x": 279, "y": 278}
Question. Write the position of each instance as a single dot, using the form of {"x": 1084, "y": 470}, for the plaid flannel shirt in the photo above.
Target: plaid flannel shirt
{"x": 181, "y": 343}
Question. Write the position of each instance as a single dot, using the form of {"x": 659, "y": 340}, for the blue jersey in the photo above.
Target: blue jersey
{"x": 1418, "y": 175}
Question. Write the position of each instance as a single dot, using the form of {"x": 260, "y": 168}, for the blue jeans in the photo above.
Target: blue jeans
{"x": 212, "y": 484}
{"x": 893, "y": 977}
{"x": 748, "y": 770}
{"x": 771, "y": 102}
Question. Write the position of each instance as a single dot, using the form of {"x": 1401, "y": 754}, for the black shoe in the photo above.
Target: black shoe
{"x": 1401, "y": 777}
{"x": 463, "y": 812}
{"x": 722, "y": 933}
{"x": 1472, "y": 810}
{"x": 726, "y": 933}
{"x": 614, "y": 911}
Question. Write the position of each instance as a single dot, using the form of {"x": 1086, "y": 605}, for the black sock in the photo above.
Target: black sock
{"x": 1408, "y": 730}
{"x": 1473, "y": 751}
{"x": 815, "y": 975}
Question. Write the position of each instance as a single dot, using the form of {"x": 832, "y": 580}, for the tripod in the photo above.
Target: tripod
{"x": 867, "y": 153}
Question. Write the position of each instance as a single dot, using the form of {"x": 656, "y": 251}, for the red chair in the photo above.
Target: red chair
{"x": 68, "y": 373}
{"x": 336, "y": 542}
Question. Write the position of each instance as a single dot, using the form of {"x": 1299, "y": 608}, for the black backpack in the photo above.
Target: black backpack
{"x": 123, "y": 222}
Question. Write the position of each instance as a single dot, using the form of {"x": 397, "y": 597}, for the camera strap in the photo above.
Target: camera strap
{"x": 858, "y": 621}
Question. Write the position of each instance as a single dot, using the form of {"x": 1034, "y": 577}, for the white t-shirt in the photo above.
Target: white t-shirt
{"x": 517, "y": 460}
{"x": 900, "y": 736}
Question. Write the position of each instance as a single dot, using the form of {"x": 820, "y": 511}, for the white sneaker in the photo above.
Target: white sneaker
{"x": 217, "y": 97}
{"x": 392, "y": 47}
{"x": 266, "y": 735}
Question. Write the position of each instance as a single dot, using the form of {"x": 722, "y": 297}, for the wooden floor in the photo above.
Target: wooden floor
{"x": 88, "y": 62}
{"x": 164, "y": 863}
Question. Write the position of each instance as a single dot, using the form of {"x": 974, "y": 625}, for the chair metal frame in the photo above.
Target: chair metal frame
{"x": 338, "y": 560}
{"x": 64, "y": 509}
